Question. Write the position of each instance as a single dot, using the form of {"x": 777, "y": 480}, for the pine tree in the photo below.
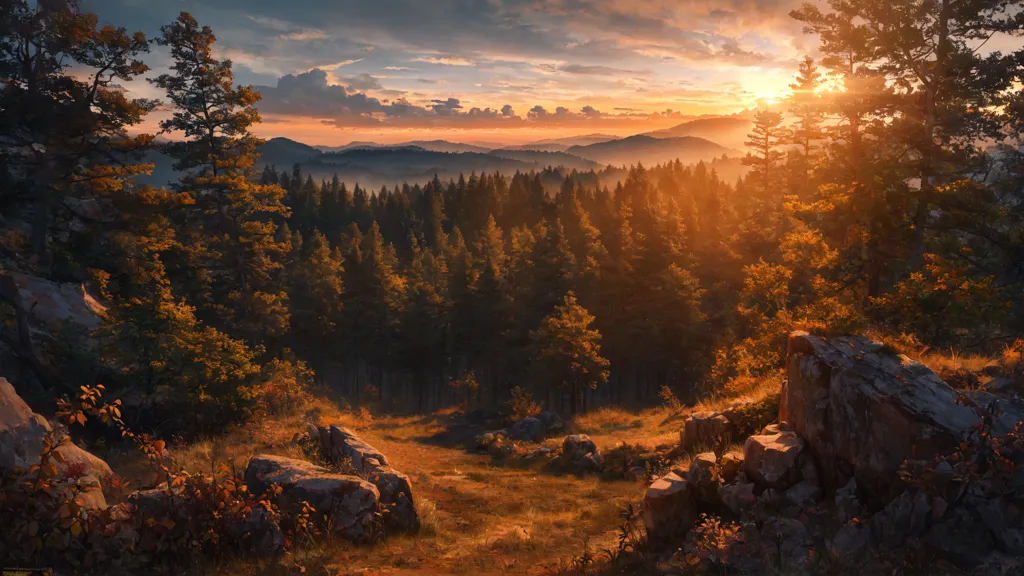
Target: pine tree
{"x": 807, "y": 110}
{"x": 232, "y": 218}
{"x": 59, "y": 127}
{"x": 568, "y": 351}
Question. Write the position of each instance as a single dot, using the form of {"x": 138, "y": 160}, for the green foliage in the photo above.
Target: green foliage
{"x": 568, "y": 351}
{"x": 230, "y": 225}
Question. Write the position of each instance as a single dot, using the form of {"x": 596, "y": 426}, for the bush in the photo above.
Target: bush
{"x": 190, "y": 518}
{"x": 521, "y": 404}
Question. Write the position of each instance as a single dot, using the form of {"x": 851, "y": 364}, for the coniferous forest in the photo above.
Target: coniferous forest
{"x": 883, "y": 197}
{"x": 893, "y": 205}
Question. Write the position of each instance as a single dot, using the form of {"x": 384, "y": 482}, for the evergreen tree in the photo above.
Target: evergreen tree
{"x": 231, "y": 222}
{"x": 568, "y": 351}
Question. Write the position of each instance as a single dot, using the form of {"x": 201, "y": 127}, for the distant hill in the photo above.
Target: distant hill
{"x": 284, "y": 153}
{"x": 650, "y": 150}
{"x": 563, "y": 144}
{"x": 446, "y": 146}
{"x": 432, "y": 145}
{"x": 543, "y": 159}
{"x": 730, "y": 132}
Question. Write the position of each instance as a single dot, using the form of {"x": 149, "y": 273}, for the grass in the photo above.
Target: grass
{"x": 477, "y": 517}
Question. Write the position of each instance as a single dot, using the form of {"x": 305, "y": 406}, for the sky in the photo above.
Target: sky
{"x": 506, "y": 71}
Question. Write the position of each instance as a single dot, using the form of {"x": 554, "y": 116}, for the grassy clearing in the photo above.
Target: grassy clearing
{"x": 478, "y": 517}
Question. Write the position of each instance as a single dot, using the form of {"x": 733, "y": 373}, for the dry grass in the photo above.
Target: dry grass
{"x": 477, "y": 517}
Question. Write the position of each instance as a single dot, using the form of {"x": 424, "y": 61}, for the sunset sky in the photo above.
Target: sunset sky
{"x": 334, "y": 71}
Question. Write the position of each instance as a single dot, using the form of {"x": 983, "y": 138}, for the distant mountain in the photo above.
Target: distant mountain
{"x": 563, "y": 144}
{"x": 650, "y": 150}
{"x": 727, "y": 131}
{"x": 284, "y": 153}
{"x": 432, "y": 145}
{"x": 543, "y": 159}
{"x": 446, "y": 146}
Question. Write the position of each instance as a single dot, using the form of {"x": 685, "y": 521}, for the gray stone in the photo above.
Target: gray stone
{"x": 738, "y": 496}
{"x": 338, "y": 443}
{"x": 669, "y": 509}
{"x": 704, "y": 429}
{"x": 578, "y": 446}
{"x": 791, "y": 542}
{"x": 731, "y": 464}
{"x": 350, "y": 502}
{"x": 961, "y": 538}
{"x": 23, "y": 435}
{"x": 802, "y": 493}
{"x": 529, "y": 429}
{"x": 850, "y": 542}
{"x": 773, "y": 461}
{"x": 848, "y": 504}
{"x": 51, "y": 304}
{"x": 863, "y": 409}
{"x": 902, "y": 518}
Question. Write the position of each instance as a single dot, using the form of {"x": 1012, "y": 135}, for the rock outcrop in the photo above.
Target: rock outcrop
{"x": 863, "y": 410}
{"x": 349, "y": 501}
{"x": 52, "y": 304}
{"x": 855, "y": 422}
{"x": 23, "y": 434}
{"x": 339, "y": 444}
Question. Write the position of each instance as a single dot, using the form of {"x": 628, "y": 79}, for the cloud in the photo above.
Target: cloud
{"x": 443, "y": 60}
{"x": 361, "y": 83}
{"x": 583, "y": 70}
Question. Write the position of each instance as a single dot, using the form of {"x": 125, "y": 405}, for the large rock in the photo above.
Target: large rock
{"x": 863, "y": 410}
{"x": 530, "y": 429}
{"x": 23, "y": 434}
{"x": 704, "y": 429}
{"x": 773, "y": 461}
{"x": 578, "y": 446}
{"x": 669, "y": 508}
{"x": 350, "y": 502}
{"x": 52, "y": 304}
{"x": 338, "y": 443}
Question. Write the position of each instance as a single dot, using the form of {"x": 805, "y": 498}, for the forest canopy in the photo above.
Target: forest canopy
{"x": 885, "y": 196}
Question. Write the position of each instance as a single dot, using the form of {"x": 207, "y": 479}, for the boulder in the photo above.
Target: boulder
{"x": 773, "y": 461}
{"x": 864, "y": 409}
{"x": 552, "y": 422}
{"x": 961, "y": 538}
{"x": 530, "y": 429}
{"x": 738, "y": 496}
{"x": 23, "y": 434}
{"x": 704, "y": 429}
{"x": 338, "y": 443}
{"x": 731, "y": 464}
{"x": 850, "y": 543}
{"x": 52, "y": 304}
{"x": 790, "y": 543}
{"x": 803, "y": 493}
{"x": 580, "y": 449}
{"x": 904, "y": 517}
{"x": 669, "y": 508}
{"x": 350, "y": 502}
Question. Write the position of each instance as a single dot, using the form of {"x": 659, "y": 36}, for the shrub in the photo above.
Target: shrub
{"x": 521, "y": 404}
{"x": 190, "y": 517}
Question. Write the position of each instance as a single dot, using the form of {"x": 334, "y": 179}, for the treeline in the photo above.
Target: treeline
{"x": 886, "y": 198}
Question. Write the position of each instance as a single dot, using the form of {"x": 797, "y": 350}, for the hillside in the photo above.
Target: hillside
{"x": 543, "y": 159}
{"x": 649, "y": 150}
{"x": 730, "y": 131}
